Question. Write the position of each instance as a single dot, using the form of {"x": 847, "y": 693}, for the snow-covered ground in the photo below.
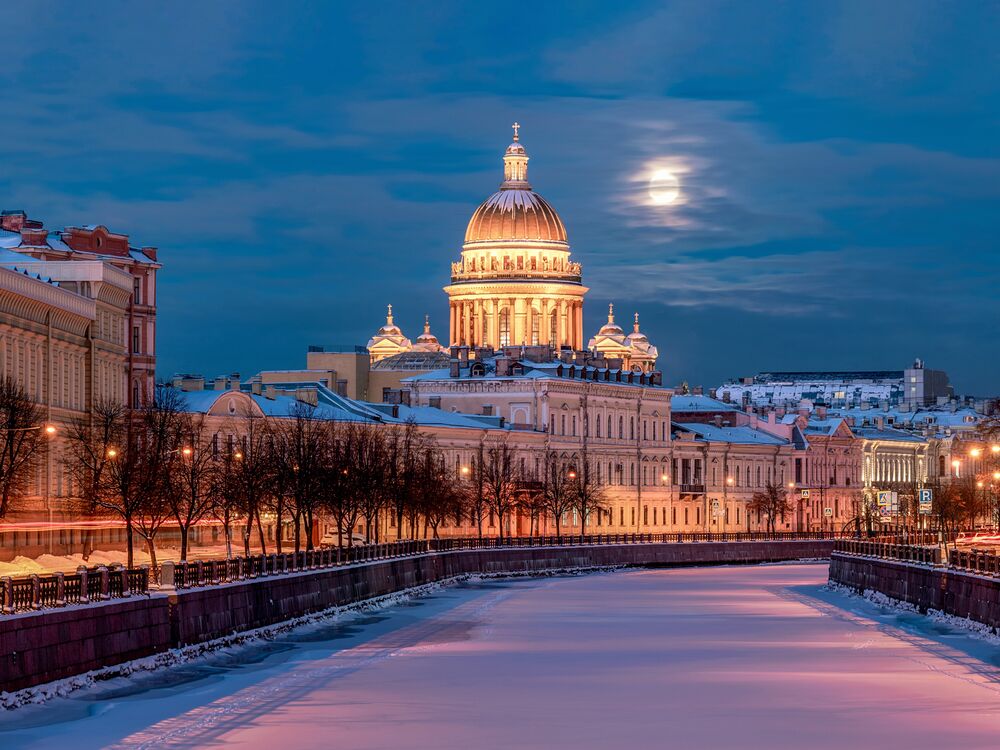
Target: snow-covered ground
{"x": 22, "y": 566}
{"x": 737, "y": 657}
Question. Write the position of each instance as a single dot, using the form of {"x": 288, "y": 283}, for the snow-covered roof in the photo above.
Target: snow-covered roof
{"x": 742, "y": 435}
{"x": 693, "y": 402}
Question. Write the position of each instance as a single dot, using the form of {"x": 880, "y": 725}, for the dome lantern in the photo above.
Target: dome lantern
{"x": 515, "y": 164}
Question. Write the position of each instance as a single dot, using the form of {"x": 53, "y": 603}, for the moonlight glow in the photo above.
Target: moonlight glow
{"x": 664, "y": 188}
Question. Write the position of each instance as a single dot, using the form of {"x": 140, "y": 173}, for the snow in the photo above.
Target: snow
{"x": 749, "y": 657}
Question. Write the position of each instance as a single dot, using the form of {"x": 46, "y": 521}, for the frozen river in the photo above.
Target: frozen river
{"x": 736, "y": 657}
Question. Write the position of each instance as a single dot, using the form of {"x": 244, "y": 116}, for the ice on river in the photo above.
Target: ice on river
{"x": 733, "y": 657}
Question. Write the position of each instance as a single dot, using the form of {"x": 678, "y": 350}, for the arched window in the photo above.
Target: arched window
{"x": 535, "y": 323}
{"x": 621, "y": 428}
{"x": 505, "y": 327}
{"x": 554, "y": 329}
{"x": 609, "y": 427}
{"x": 136, "y": 403}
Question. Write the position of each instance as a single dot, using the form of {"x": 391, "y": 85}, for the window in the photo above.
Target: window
{"x": 135, "y": 395}
{"x": 505, "y": 327}
{"x": 137, "y": 290}
{"x": 135, "y": 340}
{"x": 434, "y": 402}
{"x": 621, "y": 428}
{"x": 535, "y": 323}
{"x": 554, "y": 328}
{"x": 574, "y": 425}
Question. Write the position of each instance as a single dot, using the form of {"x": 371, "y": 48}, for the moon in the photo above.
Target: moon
{"x": 664, "y": 188}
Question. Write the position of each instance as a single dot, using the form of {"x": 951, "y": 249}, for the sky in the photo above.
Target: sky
{"x": 838, "y": 162}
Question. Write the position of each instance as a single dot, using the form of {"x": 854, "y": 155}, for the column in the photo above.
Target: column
{"x": 452, "y": 328}
{"x": 578, "y": 325}
{"x": 563, "y": 322}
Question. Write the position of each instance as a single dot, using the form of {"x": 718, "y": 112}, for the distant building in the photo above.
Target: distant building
{"x": 913, "y": 386}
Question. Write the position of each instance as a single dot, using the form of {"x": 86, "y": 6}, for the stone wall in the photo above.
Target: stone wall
{"x": 51, "y": 644}
{"x": 926, "y": 587}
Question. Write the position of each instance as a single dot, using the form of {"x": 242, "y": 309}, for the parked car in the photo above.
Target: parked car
{"x": 330, "y": 539}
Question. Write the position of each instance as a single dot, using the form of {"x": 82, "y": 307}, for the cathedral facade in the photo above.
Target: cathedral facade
{"x": 516, "y": 284}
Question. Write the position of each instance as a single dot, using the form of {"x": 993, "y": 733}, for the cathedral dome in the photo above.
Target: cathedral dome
{"x": 512, "y": 214}
{"x": 515, "y": 212}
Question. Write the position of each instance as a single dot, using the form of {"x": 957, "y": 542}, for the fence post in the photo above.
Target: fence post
{"x": 167, "y": 576}
{"x": 84, "y": 584}
{"x": 60, "y": 589}
{"x": 126, "y": 590}
{"x": 36, "y": 592}
{"x": 7, "y": 595}
{"x": 105, "y": 582}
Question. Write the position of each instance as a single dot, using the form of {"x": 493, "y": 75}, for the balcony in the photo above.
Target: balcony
{"x": 692, "y": 489}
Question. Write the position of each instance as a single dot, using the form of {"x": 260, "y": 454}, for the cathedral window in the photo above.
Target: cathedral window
{"x": 535, "y": 323}
{"x": 505, "y": 327}
{"x": 554, "y": 329}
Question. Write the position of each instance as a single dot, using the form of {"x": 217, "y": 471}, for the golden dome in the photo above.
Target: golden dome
{"x": 515, "y": 212}
{"x": 512, "y": 214}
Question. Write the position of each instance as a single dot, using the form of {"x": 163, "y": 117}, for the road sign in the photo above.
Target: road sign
{"x": 827, "y": 511}
{"x": 805, "y": 494}
{"x": 888, "y": 503}
{"x": 926, "y": 498}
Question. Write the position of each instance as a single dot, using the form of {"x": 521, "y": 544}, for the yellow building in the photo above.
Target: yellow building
{"x": 515, "y": 283}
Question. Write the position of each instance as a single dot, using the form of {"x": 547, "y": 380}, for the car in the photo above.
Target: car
{"x": 330, "y": 539}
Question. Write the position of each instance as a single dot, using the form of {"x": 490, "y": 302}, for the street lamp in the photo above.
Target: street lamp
{"x": 572, "y": 474}
{"x": 238, "y": 456}
{"x": 730, "y": 481}
{"x": 112, "y": 453}
{"x": 975, "y": 452}
{"x": 464, "y": 471}
{"x": 995, "y": 448}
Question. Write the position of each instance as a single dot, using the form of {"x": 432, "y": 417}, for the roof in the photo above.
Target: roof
{"x": 413, "y": 360}
{"x": 699, "y": 403}
{"x": 535, "y": 370}
{"x": 742, "y": 435}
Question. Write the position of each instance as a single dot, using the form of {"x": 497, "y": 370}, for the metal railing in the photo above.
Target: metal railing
{"x": 924, "y": 555}
{"x": 980, "y": 561}
{"x": 84, "y": 586}
{"x": 89, "y": 585}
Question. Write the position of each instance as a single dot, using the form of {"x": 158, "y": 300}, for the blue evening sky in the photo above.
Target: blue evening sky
{"x": 300, "y": 165}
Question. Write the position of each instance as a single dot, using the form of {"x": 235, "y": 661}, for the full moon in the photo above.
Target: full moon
{"x": 664, "y": 188}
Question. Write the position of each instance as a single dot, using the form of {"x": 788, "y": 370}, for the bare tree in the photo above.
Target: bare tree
{"x": 337, "y": 493}
{"x": 248, "y": 474}
{"x": 300, "y": 454}
{"x": 558, "y": 488}
{"x": 589, "y": 494}
{"x": 501, "y": 481}
{"x": 190, "y": 493}
{"x": 22, "y": 441}
{"x": 772, "y": 503}
{"x": 104, "y": 459}
{"x": 474, "y": 486}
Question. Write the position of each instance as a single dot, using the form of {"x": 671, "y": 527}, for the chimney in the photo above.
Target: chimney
{"x": 821, "y": 412}
{"x": 234, "y": 381}
{"x": 255, "y": 387}
{"x": 880, "y": 422}
{"x": 220, "y": 383}
{"x": 149, "y": 252}
{"x": 269, "y": 392}
{"x": 454, "y": 368}
{"x": 503, "y": 366}
{"x": 718, "y": 420}
{"x": 463, "y": 354}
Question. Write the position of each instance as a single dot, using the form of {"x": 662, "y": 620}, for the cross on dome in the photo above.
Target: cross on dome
{"x": 516, "y": 126}
{"x": 388, "y": 316}
{"x": 636, "y": 324}
{"x": 611, "y": 312}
